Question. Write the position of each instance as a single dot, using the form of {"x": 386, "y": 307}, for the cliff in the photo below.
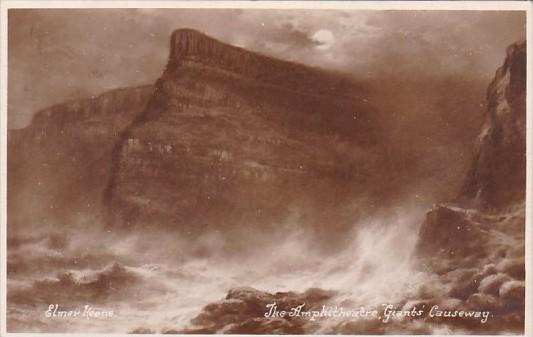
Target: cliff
{"x": 495, "y": 183}
{"x": 232, "y": 138}
{"x": 225, "y": 138}
{"x": 59, "y": 165}
{"x": 476, "y": 244}
{"x": 498, "y": 174}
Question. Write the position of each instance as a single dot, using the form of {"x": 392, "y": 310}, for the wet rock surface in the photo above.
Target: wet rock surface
{"x": 243, "y": 311}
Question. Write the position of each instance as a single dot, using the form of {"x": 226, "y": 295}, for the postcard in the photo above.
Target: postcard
{"x": 301, "y": 168}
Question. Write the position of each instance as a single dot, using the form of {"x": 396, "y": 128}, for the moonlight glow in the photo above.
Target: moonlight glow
{"x": 324, "y": 39}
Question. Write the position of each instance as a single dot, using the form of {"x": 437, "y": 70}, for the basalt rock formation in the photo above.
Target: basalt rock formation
{"x": 233, "y": 138}
{"x": 225, "y": 138}
{"x": 497, "y": 177}
{"x": 476, "y": 243}
{"x": 494, "y": 188}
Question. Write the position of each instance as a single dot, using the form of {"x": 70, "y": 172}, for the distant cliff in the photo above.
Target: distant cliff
{"x": 59, "y": 165}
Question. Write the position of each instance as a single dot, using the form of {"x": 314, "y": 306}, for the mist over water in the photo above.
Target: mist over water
{"x": 159, "y": 280}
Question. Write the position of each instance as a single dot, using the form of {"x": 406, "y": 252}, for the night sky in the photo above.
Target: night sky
{"x": 58, "y": 55}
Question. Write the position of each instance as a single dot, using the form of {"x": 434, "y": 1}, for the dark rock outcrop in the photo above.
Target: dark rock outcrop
{"x": 113, "y": 281}
{"x": 243, "y": 312}
{"x": 494, "y": 189}
{"x": 476, "y": 244}
{"x": 497, "y": 177}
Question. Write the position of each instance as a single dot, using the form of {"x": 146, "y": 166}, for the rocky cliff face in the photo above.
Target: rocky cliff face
{"x": 225, "y": 138}
{"x": 498, "y": 174}
{"x": 231, "y": 137}
{"x": 62, "y": 160}
{"x": 495, "y": 184}
{"x": 188, "y": 47}
{"x": 476, "y": 243}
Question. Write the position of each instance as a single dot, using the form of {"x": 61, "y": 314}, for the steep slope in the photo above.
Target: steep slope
{"x": 476, "y": 244}
{"x": 231, "y": 137}
{"x": 59, "y": 165}
{"x": 497, "y": 176}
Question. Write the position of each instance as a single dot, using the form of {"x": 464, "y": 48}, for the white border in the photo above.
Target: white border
{"x": 325, "y": 5}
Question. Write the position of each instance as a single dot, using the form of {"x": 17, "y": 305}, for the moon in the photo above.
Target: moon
{"x": 324, "y": 38}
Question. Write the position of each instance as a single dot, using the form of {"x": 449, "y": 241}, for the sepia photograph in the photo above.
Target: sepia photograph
{"x": 265, "y": 168}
